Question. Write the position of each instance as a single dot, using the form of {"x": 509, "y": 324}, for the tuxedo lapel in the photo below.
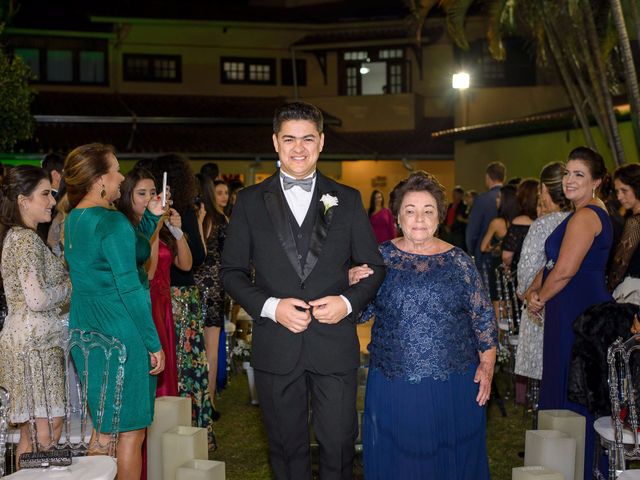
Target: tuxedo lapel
{"x": 275, "y": 203}
{"x": 321, "y": 226}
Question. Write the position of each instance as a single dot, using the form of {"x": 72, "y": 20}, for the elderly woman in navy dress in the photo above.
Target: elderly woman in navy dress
{"x": 433, "y": 349}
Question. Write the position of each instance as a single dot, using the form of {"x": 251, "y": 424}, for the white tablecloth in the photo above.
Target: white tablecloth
{"x": 97, "y": 467}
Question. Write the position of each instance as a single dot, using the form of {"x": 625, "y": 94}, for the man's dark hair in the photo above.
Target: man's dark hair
{"x": 496, "y": 171}
{"x": 458, "y": 189}
{"x": 211, "y": 170}
{"x": 297, "y": 111}
{"x": 51, "y": 162}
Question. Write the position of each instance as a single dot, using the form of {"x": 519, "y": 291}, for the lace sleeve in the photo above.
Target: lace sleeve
{"x": 30, "y": 267}
{"x": 624, "y": 251}
{"x": 367, "y": 313}
{"x": 481, "y": 312}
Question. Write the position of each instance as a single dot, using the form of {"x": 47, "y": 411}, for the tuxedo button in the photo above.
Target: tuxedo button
{"x": 299, "y": 257}
{"x": 302, "y": 286}
{"x": 299, "y": 236}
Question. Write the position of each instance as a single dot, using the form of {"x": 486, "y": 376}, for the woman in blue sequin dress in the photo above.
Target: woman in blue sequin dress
{"x": 573, "y": 279}
{"x": 433, "y": 346}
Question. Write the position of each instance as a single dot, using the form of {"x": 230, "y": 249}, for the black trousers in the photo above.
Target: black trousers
{"x": 284, "y": 401}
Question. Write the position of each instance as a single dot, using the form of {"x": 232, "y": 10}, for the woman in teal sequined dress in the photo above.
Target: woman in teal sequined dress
{"x": 103, "y": 252}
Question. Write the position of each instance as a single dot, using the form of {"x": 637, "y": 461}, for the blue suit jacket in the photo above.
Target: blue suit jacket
{"x": 483, "y": 211}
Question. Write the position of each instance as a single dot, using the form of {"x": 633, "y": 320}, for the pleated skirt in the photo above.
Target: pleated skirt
{"x": 427, "y": 430}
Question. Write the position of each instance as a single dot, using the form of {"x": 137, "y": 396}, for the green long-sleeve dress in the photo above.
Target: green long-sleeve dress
{"x": 103, "y": 252}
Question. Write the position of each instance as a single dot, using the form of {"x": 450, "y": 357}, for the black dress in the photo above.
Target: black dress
{"x": 513, "y": 241}
{"x": 208, "y": 278}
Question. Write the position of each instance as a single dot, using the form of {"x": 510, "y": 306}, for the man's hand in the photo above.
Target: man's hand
{"x": 330, "y": 309}
{"x": 294, "y": 319}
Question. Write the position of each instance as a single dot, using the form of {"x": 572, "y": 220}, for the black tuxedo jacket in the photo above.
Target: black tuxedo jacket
{"x": 260, "y": 236}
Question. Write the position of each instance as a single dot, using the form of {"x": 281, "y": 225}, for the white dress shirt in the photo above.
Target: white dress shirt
{"x": 299, "y": 201}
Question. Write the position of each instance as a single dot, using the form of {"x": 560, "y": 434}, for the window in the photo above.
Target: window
{"x": 287, "y": 72}
{"x": 92, "y": 67}
{"x": 63, "y": 60}
{"x": 152, "y": 68}
{"x": 373, "y": 72}
{"x": 256, "y": 71}
{"x": 517, "y": 70}
{"x": 31, "y": 58}
{"x": 59, "y": 65}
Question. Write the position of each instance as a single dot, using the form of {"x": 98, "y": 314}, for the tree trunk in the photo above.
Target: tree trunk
{"x": 569, "y": 85}
{"x": 631, "y": 80}
{"x": 601, "y": 78}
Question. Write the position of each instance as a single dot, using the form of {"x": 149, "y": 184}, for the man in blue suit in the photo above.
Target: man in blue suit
{"x": 483, "y": 211}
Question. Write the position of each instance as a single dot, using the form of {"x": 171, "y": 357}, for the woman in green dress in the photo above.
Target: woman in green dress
{"x": 102, "y": 251}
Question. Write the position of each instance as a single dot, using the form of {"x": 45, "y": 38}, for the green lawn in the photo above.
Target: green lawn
{"x": 242, "y": 443}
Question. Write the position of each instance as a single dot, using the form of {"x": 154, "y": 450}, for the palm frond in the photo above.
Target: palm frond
{"x": 456, "y": 11}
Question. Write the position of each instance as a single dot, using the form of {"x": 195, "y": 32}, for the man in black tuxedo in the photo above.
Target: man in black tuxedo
{"x": 301, "y": 232}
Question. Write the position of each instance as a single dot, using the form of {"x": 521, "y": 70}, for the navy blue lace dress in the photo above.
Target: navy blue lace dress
{"x": 432, "y": 317}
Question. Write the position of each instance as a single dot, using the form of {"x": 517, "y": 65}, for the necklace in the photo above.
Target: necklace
{"x": 71, "y": 237}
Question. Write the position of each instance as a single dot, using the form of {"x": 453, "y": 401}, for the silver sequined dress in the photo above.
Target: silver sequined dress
{"x": 36, "y": 285}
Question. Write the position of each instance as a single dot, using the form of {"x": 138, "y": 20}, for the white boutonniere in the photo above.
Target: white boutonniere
{"x": 329, "y": 201}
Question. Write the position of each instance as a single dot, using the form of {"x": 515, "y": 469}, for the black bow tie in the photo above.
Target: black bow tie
{"x": 305, "y": 183}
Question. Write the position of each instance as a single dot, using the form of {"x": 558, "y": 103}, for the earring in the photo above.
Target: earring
{"x": 593, "y": 192}
{"x": 103, "y": 192}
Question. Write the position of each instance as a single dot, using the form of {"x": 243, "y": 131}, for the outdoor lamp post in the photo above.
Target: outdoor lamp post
{"x": 460, "y": 81}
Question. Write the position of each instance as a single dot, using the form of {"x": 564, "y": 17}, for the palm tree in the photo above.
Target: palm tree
{"x": 573, "y": 35}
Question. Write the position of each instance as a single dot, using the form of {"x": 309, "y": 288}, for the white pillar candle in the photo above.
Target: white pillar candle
{"x": 170, "y": 412}
{"x": 552, "y": 449}
{"x": 201, "y": 470}
{"x": 179, "y": 445}
{"x": 571, "y": 423}
{"x": 535, "y": 473}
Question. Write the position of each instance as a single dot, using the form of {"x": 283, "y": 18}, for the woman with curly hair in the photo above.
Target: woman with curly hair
{"x": 193, "y": 368}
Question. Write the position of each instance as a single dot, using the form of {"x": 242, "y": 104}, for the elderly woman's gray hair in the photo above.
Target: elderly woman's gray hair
{"x": 419, "y": 181}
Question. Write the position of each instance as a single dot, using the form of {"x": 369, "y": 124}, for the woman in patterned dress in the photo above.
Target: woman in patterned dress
{"x": 215, "y": 196}
{"x": 36, "y": 287}
{"x": 188, "y": 315}
{"x": 554, "y": 208}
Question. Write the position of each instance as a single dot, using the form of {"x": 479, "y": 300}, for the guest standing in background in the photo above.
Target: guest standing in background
{"x": 554, "y": 208}
{"x": 455, "y": 224}
{"x": 573, "y": 280}
{"x": 381, "y": 219}
{"x": 188, "y": 315}
{"x": 624, "y": 273}
{"x": 102, "y": 251}
{"x": 508, "y": 209}
{"x": 137, "y": 191}
{"x": 36, "y": 286}
{"x": 53, "y": 164}
{"x": 215, "y": 196}
{"x": 527, "y": 198}
{"x": 484, "y": 210}
{"x": 211, "y": 170}
{"x": 433, "y": 350}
